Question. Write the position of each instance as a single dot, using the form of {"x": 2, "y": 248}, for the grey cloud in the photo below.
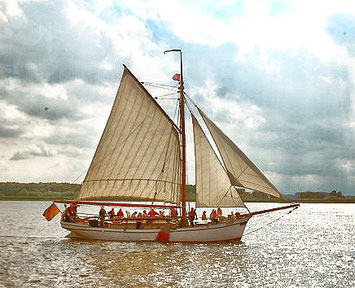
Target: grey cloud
{"x": 9, "y": 132}
{"x": 45, "y": 46}
{"x": 38, "y": 105}
{"x": 31, "y": 152}
{"x": 77, "y": 138}
{"x": 302, "y": 150}
{"x": 306, "y": 105}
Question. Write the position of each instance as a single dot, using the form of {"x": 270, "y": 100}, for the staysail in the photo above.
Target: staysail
{"x": 138, "y": 156}
{"x": 240, "y": 169}
{"x": 213, "y": 187}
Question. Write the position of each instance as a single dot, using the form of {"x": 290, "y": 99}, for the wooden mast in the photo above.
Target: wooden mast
{"x": 183, "y": 140}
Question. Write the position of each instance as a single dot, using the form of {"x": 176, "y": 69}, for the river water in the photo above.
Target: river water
{"x": 312, "y": 247}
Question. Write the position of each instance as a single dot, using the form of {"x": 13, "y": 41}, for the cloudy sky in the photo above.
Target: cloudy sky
{"x": 277, "y": 76}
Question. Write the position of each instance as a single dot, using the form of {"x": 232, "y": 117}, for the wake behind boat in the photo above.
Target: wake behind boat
{"x": 141, "y": 156}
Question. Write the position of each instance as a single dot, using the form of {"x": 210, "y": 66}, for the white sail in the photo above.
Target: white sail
{"x": 213, "y": 187}
{"x": 240, "y": 169}
{"x": 138, "y": 157}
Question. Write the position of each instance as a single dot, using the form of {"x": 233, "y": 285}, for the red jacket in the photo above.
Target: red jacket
{"x": 153, "y": 213}
{"x": 192, "y": 213}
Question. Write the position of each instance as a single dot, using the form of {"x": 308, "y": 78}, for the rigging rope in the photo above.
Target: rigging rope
{"x": 79, "y": 175}
{"x": 271, "y": 222}
{"x": 162, "y": 86}
{"x": 167, "y": 94}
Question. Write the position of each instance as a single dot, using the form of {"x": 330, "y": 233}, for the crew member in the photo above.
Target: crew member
{"x": 66, "y": 215}
{"x": 192, "y": 216}
{"x": 152, "y": 213}
{"x": 204, "y": 216}
{"x": 213, "y": 216}
{"x": 173, "y": 213}
{"x": 72, "y": 210}
{"x": 120, "y": 213}
{"x": 111, "y": 213}
{"x": 102, "y": 215}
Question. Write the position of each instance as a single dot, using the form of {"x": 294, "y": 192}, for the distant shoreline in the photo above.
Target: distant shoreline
{"x": 340, "y": 201}
{"x": 49, "y": 191}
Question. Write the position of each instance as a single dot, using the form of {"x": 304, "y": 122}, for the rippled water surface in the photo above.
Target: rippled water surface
{"x": 311, "y": 247}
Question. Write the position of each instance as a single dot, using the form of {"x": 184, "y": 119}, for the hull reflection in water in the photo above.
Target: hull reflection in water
{"x": 232, "y": 231}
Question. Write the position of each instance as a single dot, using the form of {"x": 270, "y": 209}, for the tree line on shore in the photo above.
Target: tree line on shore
{"x": 321, "y": 195}
{"x": 38, "y": 190}
{"x": 53, "y": 190}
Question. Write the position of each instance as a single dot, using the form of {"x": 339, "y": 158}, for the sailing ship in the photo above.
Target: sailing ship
{"x": 141, "y": 157}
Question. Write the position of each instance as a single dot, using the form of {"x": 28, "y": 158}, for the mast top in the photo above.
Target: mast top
{"x": 183, "y": 140}
{"x": 173, "y": 50}
{"x": 181, "y": 70}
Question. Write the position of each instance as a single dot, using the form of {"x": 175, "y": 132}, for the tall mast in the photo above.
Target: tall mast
{"x": 183, "y": 140}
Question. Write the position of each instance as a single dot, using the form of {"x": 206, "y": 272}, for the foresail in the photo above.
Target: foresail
{"x": 240, "y": 169}
{"x": 138, "y": 157}
{"x": 213, "y": 187}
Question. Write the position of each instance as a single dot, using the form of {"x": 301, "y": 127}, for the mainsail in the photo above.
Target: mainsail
{"x": 240, "y": 169}
{"x": 213, "y": 187}
{"x": 138, "y": 157}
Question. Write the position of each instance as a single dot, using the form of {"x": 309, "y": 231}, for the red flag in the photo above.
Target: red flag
{"x": 51, "y": 212}
{"x": 176, "y": 77}
{"x": 163, "y": 235}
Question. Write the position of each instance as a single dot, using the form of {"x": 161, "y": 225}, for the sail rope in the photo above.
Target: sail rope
{"x": 192, "y": 101}
{"x": 162, "y": 86}
{"x": 271, "y": 222}
{"x": 188, "y": 104}
{"x": 81, "y": 174}
{"x": 164, "y": 96}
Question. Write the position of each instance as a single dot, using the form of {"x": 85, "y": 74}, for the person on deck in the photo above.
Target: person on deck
{"x": 213, "y": 216}
{"x": 102, "y": 215}
{"x": 145, "y": 215}
{"x": 192, "y": 216}
{"x": 204, "y": 216}
{"x": 111, "y": 213}
{"x": 134, "y": 214}
{"x": 173, "y": 214}
{"x": 219, "y": 212}
{"x": 66, "y": 215}
{"x": 231, "y": 217}
{"x": 72, "y": 210}
{"x": 128, "y": 214}
{"x": 120, "y": 213}
{"x": 152, "y": 213}
{"x": 161, "y": 214}
{"x": 139, "y": 223}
